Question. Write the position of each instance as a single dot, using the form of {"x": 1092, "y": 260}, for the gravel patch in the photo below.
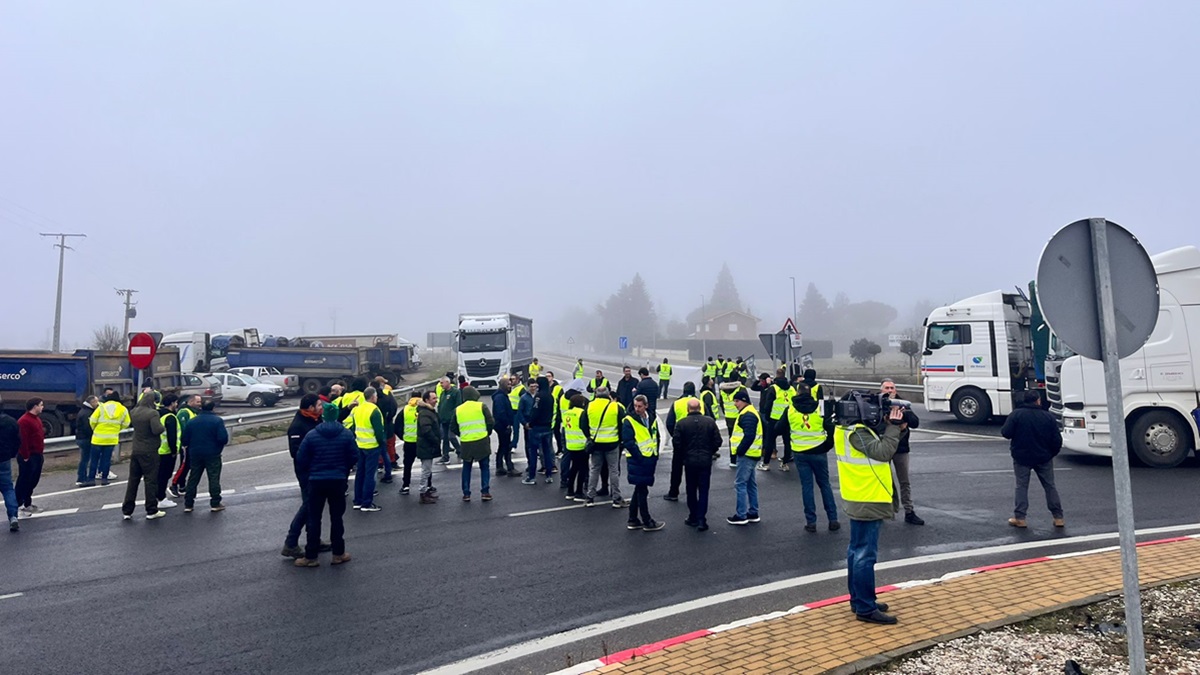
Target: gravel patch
{"x": 1093, "y": 637}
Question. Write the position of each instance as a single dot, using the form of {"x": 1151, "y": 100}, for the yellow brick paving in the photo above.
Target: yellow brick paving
{"x": 830, "y": 638}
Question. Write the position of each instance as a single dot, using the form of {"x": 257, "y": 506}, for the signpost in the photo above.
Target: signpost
{"x": 1099, "y": 259}
{"x": 623, "y": 343}
{"x": 142, "y": 348}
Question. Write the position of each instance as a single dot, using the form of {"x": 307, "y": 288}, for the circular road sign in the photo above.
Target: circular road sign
{"x": 141, "y": 350}
{"x": 1068, "y": 297}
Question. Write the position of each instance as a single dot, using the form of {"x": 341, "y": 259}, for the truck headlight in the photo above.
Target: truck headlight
{"x": 1074, "y": 423}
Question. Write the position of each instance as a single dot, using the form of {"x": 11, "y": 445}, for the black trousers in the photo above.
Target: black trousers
{"x": 676, "y": 474}
{"x": 410, "y": 456}
{"x": 166, "y": 467}
{"x": 768, "y": 439}
{"x": 299, "y": 520}
{"x": 27, "y": 480}
{"x": 142, "y": 468}
{"x": 639, "y": 505}
{"x": 504, "y": 448}
{"x": 577, "y": 478}
{"x": 320, "y": 493}
{"x": 698, "y": 479}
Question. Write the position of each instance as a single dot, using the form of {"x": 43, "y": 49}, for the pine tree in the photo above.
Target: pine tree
{"x": 724, "y": 294}
{"x": 814, "y": 313}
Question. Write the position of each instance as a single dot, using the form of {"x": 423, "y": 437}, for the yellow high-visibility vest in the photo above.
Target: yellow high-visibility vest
{"x": 783, "y": 401}
{"x": 709, "y": 405}
{"x": 860, "y": 478}
{"x": 664, "y": 371}
{"x": 731, "y": 410}
{"x": 514, "y": 396}
{"x": 605, "y": 426}
{"x": 646, "y": 439}
{"x": 410, "y": 424}
{"x": 807, "y": 430}
{"x": 730, "y": 367}
{"x": 578, "y": 371}
{"x": 364, "y": 432}
{"x": 576, "y": 439}
{"x": 349, "y": 398}
{"x": 710, "y": 369}
{"x": 107, "y": 422}
{"x": 164, "y": 448}
{"x": 556, "y": 393}
{"x": 472, "y": 425}
{"x": 681, "y": 407}
{"x": 739, "y": 433}
{"x": 535, "y": 369}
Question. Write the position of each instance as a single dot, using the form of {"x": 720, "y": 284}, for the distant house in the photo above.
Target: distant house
{"x": 731, "y": 325}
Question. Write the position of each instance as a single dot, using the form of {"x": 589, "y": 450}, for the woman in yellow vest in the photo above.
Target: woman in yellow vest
{"x": 473, "y": 423}
{"x": 575, "y": 439}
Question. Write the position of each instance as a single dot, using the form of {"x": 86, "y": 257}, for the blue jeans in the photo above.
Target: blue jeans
{"x": 101, "y": 460}
{"x": 7, "y": 489}
{"x": 485, "y": 477}
{"x": 810, "y": 466}
{"x": 539, "y": 439}
{"x": 364, "y": 477}
{"x": 516, "y": 426}
{"x": 860, "y": 564}
{"x": 85, "y": 461}
{"x": 746, "y": 486}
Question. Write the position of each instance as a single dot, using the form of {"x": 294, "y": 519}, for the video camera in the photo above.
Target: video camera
{"x": 866, "y": 407}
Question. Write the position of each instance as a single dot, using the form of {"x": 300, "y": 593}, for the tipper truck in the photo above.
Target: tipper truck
{"x": 492, "y": 344}
{"x": 316, "y": 366}
{"x": 1160, "y": 382}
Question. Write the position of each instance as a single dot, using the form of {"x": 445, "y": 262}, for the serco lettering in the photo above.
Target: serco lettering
{"x": 14, "y": 376}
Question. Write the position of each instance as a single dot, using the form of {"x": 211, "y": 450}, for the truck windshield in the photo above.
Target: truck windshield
{"x": 482, "y": 342}
{"x": 1059, "y": 351}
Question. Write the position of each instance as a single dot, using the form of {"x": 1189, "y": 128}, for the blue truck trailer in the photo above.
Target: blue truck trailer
{"x": 63, "y": 381}
{"x": 318, "y": 366}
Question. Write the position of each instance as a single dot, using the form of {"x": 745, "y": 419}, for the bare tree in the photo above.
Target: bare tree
{"x": 108, "y": 338}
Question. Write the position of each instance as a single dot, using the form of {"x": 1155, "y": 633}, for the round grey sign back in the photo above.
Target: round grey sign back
{"x": 1070, "y": 302}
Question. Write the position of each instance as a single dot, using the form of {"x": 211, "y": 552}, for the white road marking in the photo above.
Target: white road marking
{"x": 563, "y": 639}
{"x": 59, "y": 512}
{"x": 959, "y": 434}
{"x": 556, "y": 508}
{"x": 277, "y": 486}
{"x": 110, "y": 506}
{"x": 82, "y": 489}
{"x": 1056, "y": 470}
{"x": 10, "y": 596}
{"x": 247, "y": 459}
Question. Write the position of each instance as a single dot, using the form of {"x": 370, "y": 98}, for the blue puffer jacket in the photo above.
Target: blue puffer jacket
{"x": 639, "y": 469}
{"x": 326, "y": 453}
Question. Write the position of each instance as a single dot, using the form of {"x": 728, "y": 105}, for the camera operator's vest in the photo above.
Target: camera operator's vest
{"x": 860, "y": 478}
{"x": 739, "y": 433}
{"x": 807, "y": 430}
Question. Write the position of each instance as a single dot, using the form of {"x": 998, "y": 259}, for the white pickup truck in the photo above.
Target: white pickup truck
{"x": 289, "y": 383}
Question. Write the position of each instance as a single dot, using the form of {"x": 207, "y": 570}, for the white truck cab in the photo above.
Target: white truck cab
{"x": 978, "y": 354}
{"x": 1159, "y": 381}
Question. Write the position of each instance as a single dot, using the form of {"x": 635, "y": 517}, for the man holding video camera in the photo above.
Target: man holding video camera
{"x": 868, "y": 432}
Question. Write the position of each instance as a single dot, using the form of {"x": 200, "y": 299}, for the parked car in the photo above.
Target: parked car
{"x": 206, "y": 386}
{"x": 289, "y": 383}
{"x": 242, "y": 389}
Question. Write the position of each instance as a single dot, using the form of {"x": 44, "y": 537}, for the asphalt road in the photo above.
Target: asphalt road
{"x": 432, "y": 585}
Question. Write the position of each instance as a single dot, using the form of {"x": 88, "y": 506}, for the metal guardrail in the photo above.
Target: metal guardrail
{"x": 64, "y": 444}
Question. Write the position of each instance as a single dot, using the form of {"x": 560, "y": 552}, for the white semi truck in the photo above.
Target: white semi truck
{"x": 1159, "y": 381}
{"x": 492, "y": 344}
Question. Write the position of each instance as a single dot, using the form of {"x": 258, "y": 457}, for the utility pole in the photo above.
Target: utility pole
{"x": 130, "y": 312}
{"x": 62, "y": 254}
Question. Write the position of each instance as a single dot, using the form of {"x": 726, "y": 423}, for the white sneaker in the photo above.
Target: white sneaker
{"x": 764, "y": 467}
{"x": 33, "y": 508}
{"x": 78, "y": 483}
{"x": 167, "y": 504}
{"x": 124, "y": 517}
{"x": 111, "y": 476}
{"x": 156, "y": 515}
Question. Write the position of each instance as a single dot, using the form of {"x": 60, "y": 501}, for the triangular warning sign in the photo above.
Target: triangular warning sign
{"x": 788, "y": 327}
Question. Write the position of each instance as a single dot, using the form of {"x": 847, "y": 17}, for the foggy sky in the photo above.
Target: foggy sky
{"x": 260, "y": 164}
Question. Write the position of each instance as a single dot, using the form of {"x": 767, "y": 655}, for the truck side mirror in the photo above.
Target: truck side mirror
{"x": 927, "y": 352}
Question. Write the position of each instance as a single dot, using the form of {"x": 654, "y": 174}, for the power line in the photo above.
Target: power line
{"x": 130, "y": 312}
{"x": 62, "y": 255}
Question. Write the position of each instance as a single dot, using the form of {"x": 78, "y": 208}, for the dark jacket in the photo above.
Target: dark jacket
{"x": 1033, "y": 435}
{"x": 648, "y": 388}
{"x": 10, "y": 437}
{"x": 298, "y": 429}
{"x": 83, "y": 423}
{"x": 766, "y": 399}
{"x": 429, "y": 432}
{"x": 205, "y": 436}
{"x": 640, "y": 469}
{"x": 697, "y": 439}
{"x": 147, "y": 426}
{"x": 626, "y": 389}
{"x": 502, "y": 411}
{"x": 447, "y": 403}
{"x": 388, "y": 407}
{"x": 543, "y": 408}
{"x": 913, "y": 422}
{"x": 481, "y": 449}
{"x": 327, "y": 453}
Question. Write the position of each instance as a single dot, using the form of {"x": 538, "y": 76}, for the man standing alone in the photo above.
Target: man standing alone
{"x": 143, "y": 459}
{"x": 698, "y": 440}
{"x": 1034, "y": 443}
{"x": 664, "y": 378}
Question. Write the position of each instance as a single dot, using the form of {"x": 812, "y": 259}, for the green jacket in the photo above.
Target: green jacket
{"x": 881, "y": 450}
{"x": 449, "y": 401}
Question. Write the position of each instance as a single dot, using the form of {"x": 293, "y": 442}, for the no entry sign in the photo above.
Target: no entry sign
{"x": 141, "y": 350}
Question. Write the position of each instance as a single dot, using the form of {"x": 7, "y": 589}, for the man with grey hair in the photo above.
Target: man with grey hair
{"x": 10, "y": 442}
{"x": 900, "y": 460}
{"x": 83, "y": 439}
{"x": 601, "y": 425}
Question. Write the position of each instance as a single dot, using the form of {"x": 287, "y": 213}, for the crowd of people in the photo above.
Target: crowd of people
{"x": 579, "y": 433}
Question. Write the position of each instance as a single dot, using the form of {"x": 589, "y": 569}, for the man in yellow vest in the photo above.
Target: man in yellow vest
{"x": 731, "y": 370}
{"x": 720, "y": 367}
{"x": 576, "y": 473}
{"x": 710, "y": 400}
{"x": 597, "y": 382}
{"x": 639, "y": 439}
{"x": 367, "y": 423}
{"x": 535, "y": 370}
{"x": 578, "y": 374}
{"x": 710, "y": 369}
{"x": 731, "y": 412}
{"x": 108, "y": 419}
{"x": 515, "y": 390}
{"x": 664, "y": 379}
{"x": 864, "y": 448}
{"x": 168, "y": 450}
{"x": 406, "y": 429}
{"x": 806, "y": 436}
{"x": 746, "y": 443}
{"x": 601, "y": 423}
{"x": 473, "y": 424}
{"x": 678, "y": 411}
{"x": 775, "y": 402}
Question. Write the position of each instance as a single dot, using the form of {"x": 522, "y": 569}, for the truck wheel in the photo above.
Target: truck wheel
{"x": 312, "y": 386}
{"x": 1160, "y": 440}
{"x": 52, "y": 423}
{"x": 971, "y": 406}
{"x": 256, "y": 401}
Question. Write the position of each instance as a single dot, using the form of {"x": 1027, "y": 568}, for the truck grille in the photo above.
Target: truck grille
{"x": 482, "y": 367}
{"x": 1054, "y": 396}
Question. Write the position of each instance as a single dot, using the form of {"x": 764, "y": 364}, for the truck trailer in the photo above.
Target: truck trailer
{"x": 493, "y": 344}
{"x": 317, "y": 366}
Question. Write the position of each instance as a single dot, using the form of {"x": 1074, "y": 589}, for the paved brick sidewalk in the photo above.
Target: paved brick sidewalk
{"x": 825, "y": 637}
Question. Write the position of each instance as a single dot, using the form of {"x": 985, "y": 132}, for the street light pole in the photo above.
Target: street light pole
{"x": 62, "y": 254}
